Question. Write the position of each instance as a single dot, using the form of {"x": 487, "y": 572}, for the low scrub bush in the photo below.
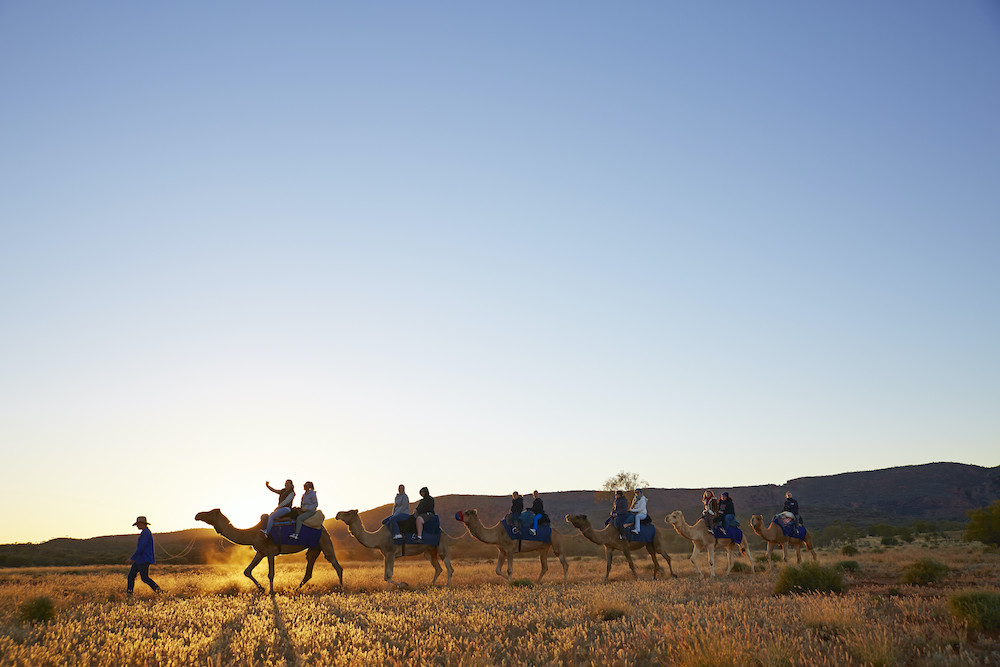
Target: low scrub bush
{"x": 740, "y": 567}
{"x": 981, "y": 610}
{"x": 848, "y": 566}
{"x": 38, "y": 609}
{"x": 522, "y": 583}
{"x": 849, "y": 550}
{"x": 925, "y": 571}
{"x": 809, "y": 578}
{"x": 889, "y": 541}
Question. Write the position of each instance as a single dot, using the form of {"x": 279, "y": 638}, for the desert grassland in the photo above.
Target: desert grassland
{"x": 210, "y": 616}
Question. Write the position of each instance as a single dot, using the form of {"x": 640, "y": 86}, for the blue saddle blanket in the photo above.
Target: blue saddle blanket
{"x": 790, "y": 527}
{"x": 543, "y": 533}
{"x": 431, "y": 534}
{"x": 308, "y": 537}
{"x": 728, "y": 533}
{"x": 645, "y": 534}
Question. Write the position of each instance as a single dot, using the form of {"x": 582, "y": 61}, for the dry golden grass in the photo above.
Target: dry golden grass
{"x": 210, "y": 616}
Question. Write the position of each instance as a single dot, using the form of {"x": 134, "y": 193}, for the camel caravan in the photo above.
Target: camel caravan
{"x": 628, "y": 529}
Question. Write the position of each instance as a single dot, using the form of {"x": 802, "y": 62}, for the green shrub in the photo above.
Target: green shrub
{"x": 809, "y": 578}
{"x": 981, "y": 610}
{"x": 522, "y": 583}
{"x": 925, "y": 571}
{"x": 849, "y": 550}
{"x": 984, "y": 524}
{"x": 889, "y": 541}
{"x": 38, "y": 609}
{"x": 740, "y": 567}
{"x": 848, "y": 566}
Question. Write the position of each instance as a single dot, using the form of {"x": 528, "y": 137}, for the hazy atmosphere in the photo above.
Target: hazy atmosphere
{"x": 484, "y": 247}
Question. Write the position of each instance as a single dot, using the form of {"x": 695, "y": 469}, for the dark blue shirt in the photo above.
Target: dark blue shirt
{"x": 144, "y": 550}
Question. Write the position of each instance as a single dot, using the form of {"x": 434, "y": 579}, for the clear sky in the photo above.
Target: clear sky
{"x": 487, "y": 246}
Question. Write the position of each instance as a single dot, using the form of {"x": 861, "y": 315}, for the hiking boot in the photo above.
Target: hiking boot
{"x": 418, "y": 538}
{"x": 532, "y": 531}
{"x": 294, "y": 536}
{"x": 397, "y": 536}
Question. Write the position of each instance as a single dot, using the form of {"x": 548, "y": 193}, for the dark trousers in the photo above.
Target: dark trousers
{"x": 141, "y": 569}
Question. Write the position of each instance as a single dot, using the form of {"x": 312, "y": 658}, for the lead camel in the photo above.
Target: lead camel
{"x": 264, "y": 547}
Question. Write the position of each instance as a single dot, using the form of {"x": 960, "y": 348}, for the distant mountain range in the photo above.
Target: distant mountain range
{"x": 933, "y": 492}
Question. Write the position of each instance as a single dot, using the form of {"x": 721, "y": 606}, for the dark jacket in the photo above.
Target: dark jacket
{"x": 425, "y": 506}
{"x": 792, "y": 505}
{"x": 621, "y": 505}
{"x": 144, "y": 549}
{"x": 536, "y": 506}
{"x": 727, "y": 507}
{"x": 517, "y": 505}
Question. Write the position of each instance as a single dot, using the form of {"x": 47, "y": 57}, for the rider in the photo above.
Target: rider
{"x": 424, "y": 511}
{"x": 285, "y": 498}
{"x": 400, "y": 512}
{"x": 309, "y": 507}
{"x": 792, "y": 505}
{"x": 516, "y": 508}
{"x": 638, "y": 510}
{"x": 727, "y": 510}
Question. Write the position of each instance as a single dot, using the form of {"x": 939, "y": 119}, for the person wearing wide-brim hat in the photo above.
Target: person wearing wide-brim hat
{"x": 142, "y": 558}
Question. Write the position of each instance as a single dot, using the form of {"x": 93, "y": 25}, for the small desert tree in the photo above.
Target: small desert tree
{"x": 621, "y": 481}
{"x": 984, "y": 524}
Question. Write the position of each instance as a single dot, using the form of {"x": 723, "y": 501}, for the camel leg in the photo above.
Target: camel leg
{"x": 770, "y": 548}
{"x": 390, "y": 560}
{"x": 257, "y": 558}
{"x": 562, "y": 560}
{"x": 311, "y": 556}
{"x": 609, "y": 554}
{"x": 501, "y": 557}
{"x": 543, "y": 556}
{"x": 432, "y": 556}
{"x": 331, "y": 556}
{"x": 666, "y": 557}
{"x": 270, "y": 573}
{"x": 729, "y": 560}
{"x": 628, "y": 557}
{"x": 694, "y": 560}
{"x": 656, "y": 563}
{"x": 446, "y": 557}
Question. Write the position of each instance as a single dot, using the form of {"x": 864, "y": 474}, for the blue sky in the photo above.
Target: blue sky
{"x": 487, "y": 247}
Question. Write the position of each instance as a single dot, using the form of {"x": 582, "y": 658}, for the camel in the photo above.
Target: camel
{"x": 773, "y": 535}
{"x": 264, "y": 547}
{"x": 381, "y": 539}
{"x": 608, "y": 538}
{"x": 701, "y": 537}
{"x": 497, "y": 535}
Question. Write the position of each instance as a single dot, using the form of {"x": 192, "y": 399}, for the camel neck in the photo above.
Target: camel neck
{"x": 366, "y": 538}
{"x": 481, "y": 532}
{"x": 235, "y": 535}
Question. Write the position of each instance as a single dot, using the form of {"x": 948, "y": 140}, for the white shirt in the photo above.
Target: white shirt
{"x": 639, "y": 504}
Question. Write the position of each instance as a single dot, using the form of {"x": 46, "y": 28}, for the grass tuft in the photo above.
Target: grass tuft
{"x": 849, "y": 550}
{"x": 38, "y": 609}
{"x": 848, "y": 566}
{"x": 925, "y": 571}
{"x": 981, "y": 610}
{"x": 809, "y": 578}
{"x": 521, "y": 583}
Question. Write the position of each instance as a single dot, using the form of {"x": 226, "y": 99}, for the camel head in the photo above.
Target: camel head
{"x": 756, "y": 522}
{"x": 466, "y": 515}
{"x": 676, "y": 518}
{"x": 347, "y": 516}
{"x": 212, "y": 517}
{"x": 579, "y": 521}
